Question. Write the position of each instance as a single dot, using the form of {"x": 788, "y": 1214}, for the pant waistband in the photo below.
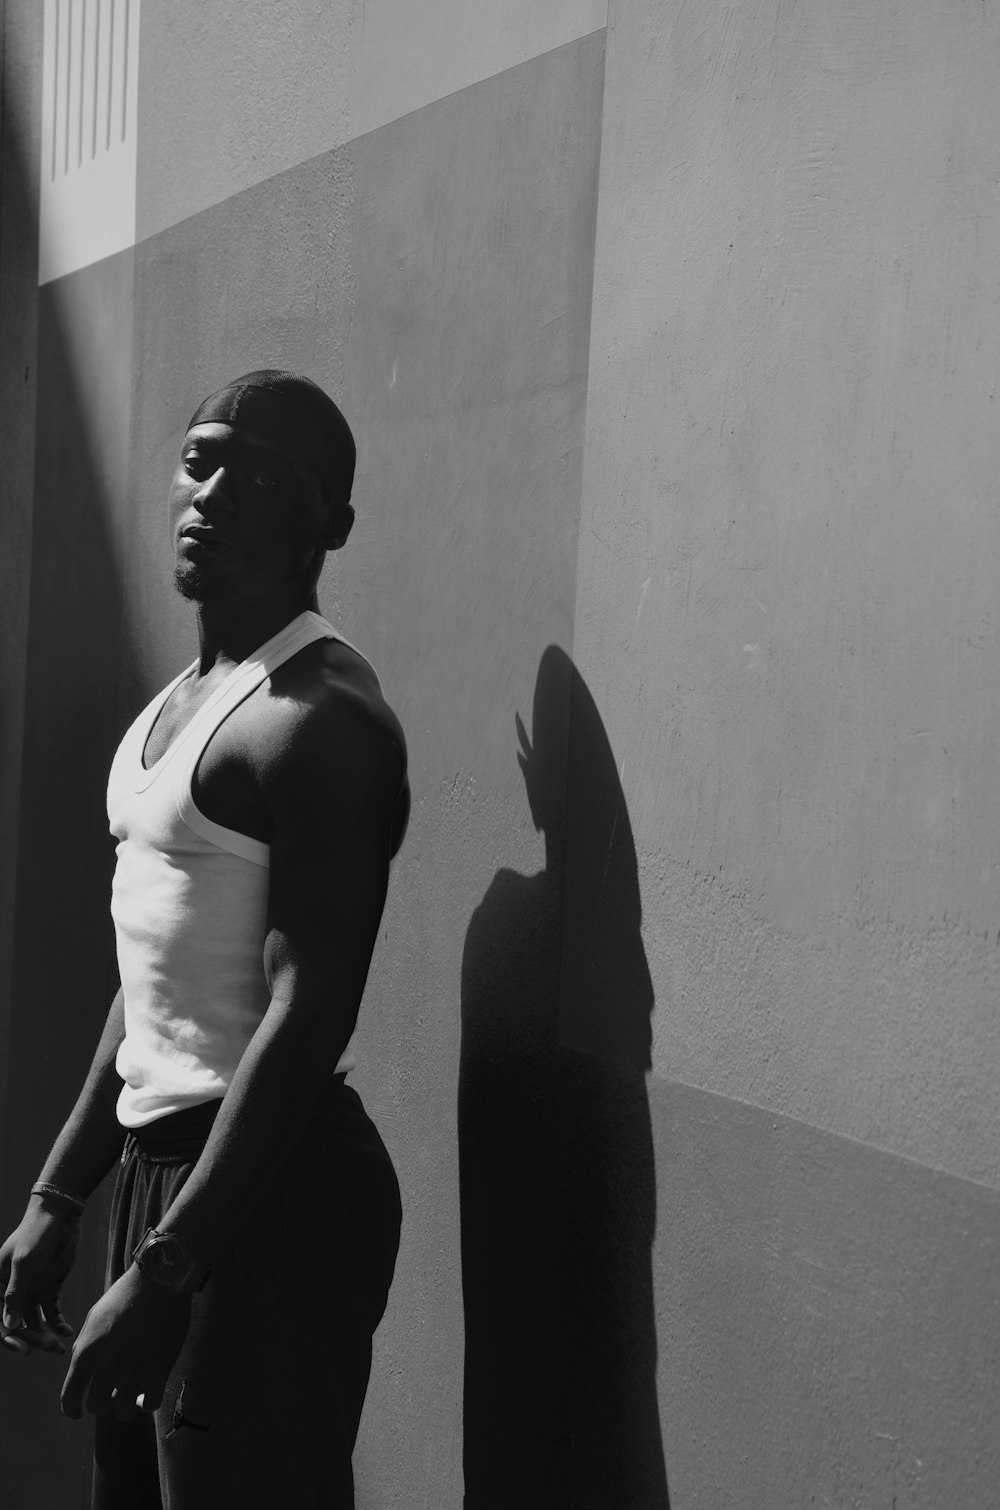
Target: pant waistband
{"x": 177, "y": 1138}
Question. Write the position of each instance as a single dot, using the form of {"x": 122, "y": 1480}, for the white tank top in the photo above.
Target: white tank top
{"x": 189, "y": 902}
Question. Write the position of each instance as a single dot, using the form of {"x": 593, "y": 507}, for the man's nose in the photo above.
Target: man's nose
{"x": 214, "y": 493}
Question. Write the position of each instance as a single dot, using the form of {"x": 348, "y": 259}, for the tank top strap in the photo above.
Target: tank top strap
{"x": 335, "y": 634}
{"x": 247, "y": 677}
{"x": 241, "y": 681}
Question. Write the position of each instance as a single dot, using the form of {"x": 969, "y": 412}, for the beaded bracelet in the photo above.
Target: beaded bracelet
{"x": 42, "y": 1187}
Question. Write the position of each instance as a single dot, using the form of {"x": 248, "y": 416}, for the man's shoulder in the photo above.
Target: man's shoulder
{"x": 325, "y": 705}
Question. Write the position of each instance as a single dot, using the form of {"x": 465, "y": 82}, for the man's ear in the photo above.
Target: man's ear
{"x": 339, "y": 519}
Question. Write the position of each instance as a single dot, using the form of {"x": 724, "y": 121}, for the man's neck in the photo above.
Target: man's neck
{"x": 230, "y": 630}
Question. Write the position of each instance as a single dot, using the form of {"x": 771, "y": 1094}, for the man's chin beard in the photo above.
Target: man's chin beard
{"x": 202, "y": 587}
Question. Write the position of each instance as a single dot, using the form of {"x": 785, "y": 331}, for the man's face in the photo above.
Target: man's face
{"x": 244, "y": 520}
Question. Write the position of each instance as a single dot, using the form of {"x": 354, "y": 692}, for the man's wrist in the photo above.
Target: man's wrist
{"x": 53, "y": 1197}
{"x": 165, "y": 1259}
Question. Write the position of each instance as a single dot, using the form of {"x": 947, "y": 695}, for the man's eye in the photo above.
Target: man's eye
{"x": 196, "y": 467}
{"x": 264, "y": 478}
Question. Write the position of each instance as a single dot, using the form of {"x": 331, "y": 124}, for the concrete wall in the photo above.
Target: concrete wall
{"x": 20, "y": 56}
{"x": 787, "y": 589}
{"x": 672, "y": 351}
{"x": 787, "y": 612}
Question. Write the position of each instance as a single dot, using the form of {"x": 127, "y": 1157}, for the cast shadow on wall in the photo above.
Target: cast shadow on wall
{"x": 558, "y": 1193}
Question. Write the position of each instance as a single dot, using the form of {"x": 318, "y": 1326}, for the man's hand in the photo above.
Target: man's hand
{"x": 126, "y": 1348}
{"x": 34, "y": 1261}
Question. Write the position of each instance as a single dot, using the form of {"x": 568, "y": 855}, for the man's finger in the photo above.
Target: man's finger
{"x": 76, "y": 1381}
{"x": 27, "y": 1339}
{"x": 54, "y": 1317}
{"x": 15, "y": 1300}
{"x": 40, "y": 1339}
{"x": 100, "y": 1395}
{"x": 151, "y": 1398}
{"x": 37, "y": 1332}
{"x": 13, "y": 1343}
{"x": 123, "y": 1403}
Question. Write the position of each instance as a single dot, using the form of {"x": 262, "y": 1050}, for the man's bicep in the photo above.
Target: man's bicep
{"x": 326, "y": 892}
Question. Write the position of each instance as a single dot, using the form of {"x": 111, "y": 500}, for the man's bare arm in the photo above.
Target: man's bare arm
{"x": 38, "y": 1255}
{"x": 92, "y": 1137}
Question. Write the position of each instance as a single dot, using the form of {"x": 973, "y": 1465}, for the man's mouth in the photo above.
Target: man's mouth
{"x": 203, "y": 539}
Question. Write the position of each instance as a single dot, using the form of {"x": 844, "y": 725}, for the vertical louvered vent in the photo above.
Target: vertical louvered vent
{"x": 88, "y": 132}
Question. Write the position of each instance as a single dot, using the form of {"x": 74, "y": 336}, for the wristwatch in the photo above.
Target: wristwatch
{"x": 164, "y": 1258}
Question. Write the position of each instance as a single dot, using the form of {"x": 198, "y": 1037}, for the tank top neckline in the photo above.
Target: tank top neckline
{"x": 303, "y": 630}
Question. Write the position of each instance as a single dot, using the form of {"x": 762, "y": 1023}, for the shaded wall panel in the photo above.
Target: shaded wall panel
{"x": 828, "y": 1317}
{"x": 20, "y": 90}
{"x": 63, "y": 972}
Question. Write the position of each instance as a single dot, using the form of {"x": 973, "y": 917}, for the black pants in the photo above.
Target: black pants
{"x": 263, "y": 1404}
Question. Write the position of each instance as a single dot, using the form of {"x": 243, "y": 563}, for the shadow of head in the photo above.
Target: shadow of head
{"x": 558, "y": 1194}
{"x": 575, "y": 796}
{"x": 542, "y": 758}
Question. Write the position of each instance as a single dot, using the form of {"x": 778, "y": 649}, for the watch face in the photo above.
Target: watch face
{"x": 164, "y": 1260}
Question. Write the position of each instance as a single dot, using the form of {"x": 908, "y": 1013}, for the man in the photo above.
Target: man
{"x": 257, "y": 803}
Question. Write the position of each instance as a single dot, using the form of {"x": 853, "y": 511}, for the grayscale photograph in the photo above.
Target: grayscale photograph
{"x": 500, "y": 755}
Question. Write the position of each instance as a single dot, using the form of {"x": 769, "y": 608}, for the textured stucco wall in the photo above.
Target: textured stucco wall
{"x": 787, "y": 596}
{"x": 827, "y": 1317}
{"x": 787, "y": 611}
{"x": 237, "y": 91}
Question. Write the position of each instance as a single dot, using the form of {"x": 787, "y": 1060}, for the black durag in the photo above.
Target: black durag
{"x": 294, "y": 415}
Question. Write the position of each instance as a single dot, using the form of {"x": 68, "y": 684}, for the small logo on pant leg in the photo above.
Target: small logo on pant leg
{"x": 179, "y": 1419}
